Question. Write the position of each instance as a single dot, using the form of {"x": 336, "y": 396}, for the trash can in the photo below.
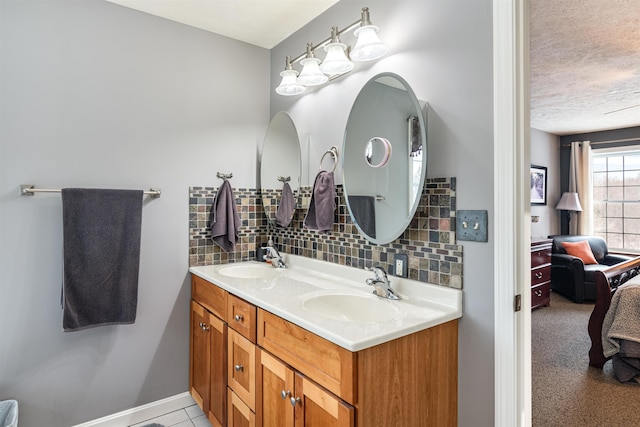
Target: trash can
{"x": 9, "y": 413}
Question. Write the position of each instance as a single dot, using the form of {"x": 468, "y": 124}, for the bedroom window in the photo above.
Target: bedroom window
{"x": 616, "y": 198}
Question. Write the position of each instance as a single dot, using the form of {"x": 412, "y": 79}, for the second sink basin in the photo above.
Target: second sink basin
{"x": 351, "y": 307}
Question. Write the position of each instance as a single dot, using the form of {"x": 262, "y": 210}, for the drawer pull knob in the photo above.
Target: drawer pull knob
{"x": 294, "y": 401}
{"x": 239, "y": 317}
{"x": 538, "y": 275}
{"x": 538, "y": 292}
{"x": 285, "y": 394}
{"x": 238, "y": 368}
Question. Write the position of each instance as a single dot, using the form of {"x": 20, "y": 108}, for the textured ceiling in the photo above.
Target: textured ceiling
{"x": 585, "y": 65}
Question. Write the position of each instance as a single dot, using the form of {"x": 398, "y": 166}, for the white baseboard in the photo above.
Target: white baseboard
{"x": 143, "y": 413}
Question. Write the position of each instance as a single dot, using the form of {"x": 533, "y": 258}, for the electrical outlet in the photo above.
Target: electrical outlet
{"x": 400, "y": 266}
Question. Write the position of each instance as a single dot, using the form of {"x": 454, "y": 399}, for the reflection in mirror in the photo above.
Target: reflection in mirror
{"x": 383, "y": 187}
{"x": 377, "y": 152}
{"x": 280, "y": 170}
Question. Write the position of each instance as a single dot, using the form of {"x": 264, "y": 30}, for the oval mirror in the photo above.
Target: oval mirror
{"x": 385, "y": 158}
{"x": 280, "y": 169}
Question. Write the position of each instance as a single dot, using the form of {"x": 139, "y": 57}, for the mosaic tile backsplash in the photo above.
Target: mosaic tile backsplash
{"x": 429, "y": 241}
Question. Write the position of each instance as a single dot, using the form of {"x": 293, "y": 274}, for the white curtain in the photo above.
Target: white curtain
{"x": 580, "y": 181}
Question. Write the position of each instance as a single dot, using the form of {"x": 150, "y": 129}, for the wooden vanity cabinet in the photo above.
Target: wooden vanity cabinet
{"x": 277, "y": 374}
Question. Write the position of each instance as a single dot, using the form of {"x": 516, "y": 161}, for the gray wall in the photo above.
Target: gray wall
{"x": 96, "y": 95}
{"x": 443, "y": 48}
{"x": 545, "y": 151}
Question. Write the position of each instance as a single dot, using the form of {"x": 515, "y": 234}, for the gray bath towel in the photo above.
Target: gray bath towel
{"x": 224, "y": 219}
{"x": 101, "y": 238}
{"x": 320, "y": 215}
{"x": 287, "y": 205}
{"x": 363, "y": 209}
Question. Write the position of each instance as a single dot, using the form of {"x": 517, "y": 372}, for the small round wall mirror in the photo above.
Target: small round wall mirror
{"x": 377, "y": 152}
{"x": 280, "y": 169}
{"x": 384, "y": 157}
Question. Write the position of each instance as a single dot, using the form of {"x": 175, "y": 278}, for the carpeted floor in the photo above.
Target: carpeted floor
{"x": 566, "y": 391}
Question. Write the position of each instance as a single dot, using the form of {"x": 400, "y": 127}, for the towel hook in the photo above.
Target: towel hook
{"x": 284, "y": 178}
{"x": 224, "y": 175}
{"x": 333, "y": 151}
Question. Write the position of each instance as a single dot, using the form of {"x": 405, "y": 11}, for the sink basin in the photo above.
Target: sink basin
{"x": 351, "y": 307}
{"x": 256, "y": 271}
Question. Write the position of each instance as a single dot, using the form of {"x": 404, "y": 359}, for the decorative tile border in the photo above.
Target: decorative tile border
{"x": 429, "y": 241}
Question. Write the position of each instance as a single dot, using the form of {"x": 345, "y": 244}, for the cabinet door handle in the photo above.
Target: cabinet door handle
{"x": 203, "y": 326}
{"x": 239, "y": 317}
{"x": 294, "y": 401}
{"x": 285, "y": 394}
{"x": 238, "y": 368}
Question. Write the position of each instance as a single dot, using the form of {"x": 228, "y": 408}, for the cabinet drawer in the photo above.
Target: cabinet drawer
{"x": 540, "y": 295}
{"x": 210, "y": 296}
{"x": 241, "y": 368}
{"x": 540, "y": 275}
{"x": 242, "y": 317}
{"x": 540, "y": 257}
{"x": 326, "y": 363}
{"x": 239, "y": 413}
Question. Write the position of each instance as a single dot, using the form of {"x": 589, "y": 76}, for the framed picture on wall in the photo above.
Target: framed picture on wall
{"x": 538, "y": 185}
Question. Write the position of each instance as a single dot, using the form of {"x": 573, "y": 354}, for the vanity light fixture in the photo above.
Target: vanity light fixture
{"x": 337, "y": 60}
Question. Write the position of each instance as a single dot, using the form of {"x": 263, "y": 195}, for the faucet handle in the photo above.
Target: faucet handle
{"x": 378, "y": 273}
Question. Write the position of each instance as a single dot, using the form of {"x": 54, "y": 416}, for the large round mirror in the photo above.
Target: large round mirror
{"x": 385, "y": 157}
{"x": 280, "y": 169}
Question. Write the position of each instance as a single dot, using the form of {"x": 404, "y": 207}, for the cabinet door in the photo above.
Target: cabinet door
{"x": 274, "y": 383}
{"x": 316, "y": 407}
{"x": 240, "y": 414}
{"x": 200, "y": 356}
{"x": 241, "y": 370}
{"x": 218, "y": 367}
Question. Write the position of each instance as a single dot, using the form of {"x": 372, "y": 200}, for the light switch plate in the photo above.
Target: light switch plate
{"x": 472, "y": 226}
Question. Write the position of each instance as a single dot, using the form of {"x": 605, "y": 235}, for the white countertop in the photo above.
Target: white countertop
{"x": 286, "y": 293}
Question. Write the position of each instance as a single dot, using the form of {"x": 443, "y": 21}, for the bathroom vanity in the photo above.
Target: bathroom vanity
{"x": 310, "y": 345}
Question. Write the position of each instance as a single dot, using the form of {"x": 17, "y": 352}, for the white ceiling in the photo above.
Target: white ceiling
{"x": 263, "y": 23}
{"x": 585, "y": 54}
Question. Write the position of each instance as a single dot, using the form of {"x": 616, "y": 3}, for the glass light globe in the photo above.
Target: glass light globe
{"x": 311, "y": 74}
{"x": 289, "y": 85}
{"x": 336, "y": 61}
{"x": 369, "y": 46}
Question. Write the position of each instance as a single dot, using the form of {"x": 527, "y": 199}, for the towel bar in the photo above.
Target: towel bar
{"x": 30, "y": 190}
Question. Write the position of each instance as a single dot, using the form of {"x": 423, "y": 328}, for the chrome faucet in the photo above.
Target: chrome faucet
{"x": 272, "y": 255}
{"x": 381, "y": 284}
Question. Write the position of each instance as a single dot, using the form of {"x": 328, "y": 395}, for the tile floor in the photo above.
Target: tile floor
{"x": 191, "y": 416}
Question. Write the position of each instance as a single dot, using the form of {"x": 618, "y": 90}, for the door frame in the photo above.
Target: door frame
{"x": 512, "y": 329}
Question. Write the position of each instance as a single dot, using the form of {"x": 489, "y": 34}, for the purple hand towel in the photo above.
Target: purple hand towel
{"x": 320, "y": 215}
{"x": 224, "y": 219}
{"x": 287, "y": 205}
{"x": 101, "y": 238}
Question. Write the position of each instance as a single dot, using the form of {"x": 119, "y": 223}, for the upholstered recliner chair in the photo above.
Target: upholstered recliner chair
{"x": 574, "y": 276}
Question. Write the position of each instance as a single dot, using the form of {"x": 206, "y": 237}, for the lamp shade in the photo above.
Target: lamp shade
{"x": 289, "y": 85}
{"x": 311, "y": 74}
{"x": 336, "y": 61}
{"x": 369, "y": 46}
{"x": 569, "y": 202}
